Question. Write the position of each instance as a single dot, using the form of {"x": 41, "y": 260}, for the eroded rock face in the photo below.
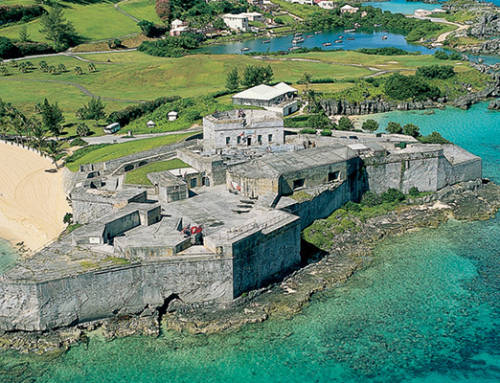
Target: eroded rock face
{"x": 488, "y": 25}
{"x": 494, "y": 105}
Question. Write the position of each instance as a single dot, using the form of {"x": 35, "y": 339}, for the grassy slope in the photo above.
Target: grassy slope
{"x": 139, "y": 176}
{"x": 110, "y": 152}
{"x": 142, "y": 9}
{"x": 91, "y": 21}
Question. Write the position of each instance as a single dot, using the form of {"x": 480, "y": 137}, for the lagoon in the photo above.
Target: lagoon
{"x": 402, "y": 6}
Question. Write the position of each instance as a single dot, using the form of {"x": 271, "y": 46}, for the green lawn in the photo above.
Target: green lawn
{"x": 142, "y": 9}
{"x": 109, "y": 152}
{"x": 139, "y": 175}
{"x": 92, "y": 21}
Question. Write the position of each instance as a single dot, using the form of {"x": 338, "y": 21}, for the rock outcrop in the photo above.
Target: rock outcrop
{"x": 488, "y": 25}
{"x": 495, "y": 104}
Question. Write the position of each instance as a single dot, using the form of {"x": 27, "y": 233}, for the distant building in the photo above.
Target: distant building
{"x": 303, "y": 2}
{"x": 178, "y": 27}
{"x": 112, "y": 128}
{"x": 279, "y": 98}
{"x": 254, "y": 16}
{"x": 236, "y": 22}
{"x": 172, "y": 116}
{"x": 150, "y": 124}
{"x": 348, "y": 9}
{"x": 326, "y": 4}
{"x": 242, "y": 128}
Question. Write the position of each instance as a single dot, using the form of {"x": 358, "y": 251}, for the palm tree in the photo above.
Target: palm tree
{"x": 18, "y": 123}
{"x": 53, "y": 150}
{"x": 38, "y": 132}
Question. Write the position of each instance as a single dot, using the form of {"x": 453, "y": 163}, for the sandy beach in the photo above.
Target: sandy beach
{"x": 32, "y": 201}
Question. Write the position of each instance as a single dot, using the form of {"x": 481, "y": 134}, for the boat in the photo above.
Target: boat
{"x": 339, "y": 41}
{"x": 326, "y": 44}
{"x": 298, "y": 34}
{"x": 266, "y": 41}
{"x": 245, "y": 49}
{"x": 349, "y": 30}
{"x": 293, "y": 48}
{"x": 384, "y": 37}
{"x": 377, "y": 25}
{"x": 351, "y": 38}
{"x": 297, "y": 41}
{"x": 317, "y": 32}
{"x": 341, "y": 37}
{"x": 309, "y": 36}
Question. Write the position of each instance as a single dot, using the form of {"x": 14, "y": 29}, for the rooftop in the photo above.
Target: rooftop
{"x": 274, "y": 165}
{"x": 265, "y": 92}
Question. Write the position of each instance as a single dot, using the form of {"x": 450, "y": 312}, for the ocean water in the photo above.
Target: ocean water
{"x": 402, "y": 6}
{"x": 427, "y": 310}
{"x": 7, "y": 256}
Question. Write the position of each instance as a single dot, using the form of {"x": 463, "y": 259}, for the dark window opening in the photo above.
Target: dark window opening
{"x": 249, "y": 141}
{"x": 259, "y": 139}
{"x": 194, "y": 182}
{"x": 270, "y": 138}
{"x": 333, "y": 176}
{"x": 238, "y": 140}
{"x": 228, "y": 140}
{"x": 298, "y": 183}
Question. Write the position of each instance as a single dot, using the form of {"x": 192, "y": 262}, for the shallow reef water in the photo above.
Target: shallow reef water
{"x": 426, "y": 310}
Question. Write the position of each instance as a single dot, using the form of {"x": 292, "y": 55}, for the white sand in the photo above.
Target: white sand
{"x": 32, "y": 201}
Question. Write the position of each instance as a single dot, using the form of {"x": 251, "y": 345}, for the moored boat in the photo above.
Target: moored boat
{"x": 326, "y": 44}
{"x": 245, "y": 49}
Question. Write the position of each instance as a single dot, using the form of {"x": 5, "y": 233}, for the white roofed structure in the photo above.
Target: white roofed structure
{"x": 278, "y": 98}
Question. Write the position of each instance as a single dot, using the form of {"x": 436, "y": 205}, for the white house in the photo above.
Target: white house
{"x": 172, "y": 116}
{"x": 348, "y": 9}
{"x": 254, "y": 16}
{"x": 279, "y": 98}
{"x": 236, "y": 22}
{"x": 326, "y": 4}
{"x": 177, "y": 27}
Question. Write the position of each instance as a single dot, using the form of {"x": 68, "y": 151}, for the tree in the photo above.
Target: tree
{"x": 319, "y": 121}
{"x": 52, "y": 116}
{"x": 232, "y": 80}
{"x": 149, "y": 29}
{"x": 162, "y": 8}
{"x": 413, "y": 192}
{"x": 82, "y": 130}
{"x": 411, "y": 130}
{"x": 78, "y": 70}
{"x": 57, "y": 29}
{"x": 94, "y": 110}
{"x": 68, "y": 218}
{"x": 7, "y": 49}
{"x": 392, "y": 195}
{"x": 38, "y": 133}
{"x": 345, "y": 123}
{"x": 256, "y": 75}
{"x": 394, "y": 128}
{"x": 54, "y": 150}
{"x": 92, "y": 68}
{"x": 4, "y": 71}
{"x": 370, "y": 125}
{"x": 43, "y": 66}
{"x": 23, "y": 34}
{"x": 61, "y": 68}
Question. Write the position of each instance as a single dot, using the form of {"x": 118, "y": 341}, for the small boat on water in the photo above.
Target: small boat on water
{"x": 351, "y": 38}
{"x": 384, "y": 37}
{"x": 309, "y": 36}
{"x": 339, "y": 41}
{"x": 317, "y": 32}
{"x": 297, "y": 41}
{"x": 341, "y": 37}
{"x": 349, "y": 30}
{"x": 245, "y": 49}
{"x": 266, "y": 41}
{"x": 377, "y": 25}
{"x": 298, "y": 34}
{"x": 291, "y": 49}
{"x": 326, "y": 44}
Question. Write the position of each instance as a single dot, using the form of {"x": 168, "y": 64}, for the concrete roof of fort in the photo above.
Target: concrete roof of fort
{"x": 250, "y": 115}
{"x": 105, "y": 196}
{"x": 274, "y": 165}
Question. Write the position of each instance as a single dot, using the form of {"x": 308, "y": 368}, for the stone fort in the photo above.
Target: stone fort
{"x": 228, "y": 223}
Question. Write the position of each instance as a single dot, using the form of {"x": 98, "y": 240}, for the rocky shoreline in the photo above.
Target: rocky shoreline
{"x": 326, "y": 268}
{"x": 334, "y": 107}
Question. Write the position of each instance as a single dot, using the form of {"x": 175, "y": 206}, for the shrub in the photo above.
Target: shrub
{"x": 386, "y": 51}
{"x": 15, "y": 13}
{"x": 392, "y": 195}
{"x": 433, "y": 138}
{"x": 345, "y": 123}
{"x": 78, "y": 142}
{"x": 401, "y": 87}
{"x": 436, "y": 71}
{"x": 130, "y": 113}
{"x": 82, "y": 130}
{"x": 162, "y": 8}
{"x": 318, "y": 121}
{"x": 326, "y": 132}
{"x": 413, "y": 192}
{"x": 411, "y": 130}
{"x": 394, "y": 128}
{"x": 172, "y": 46}
{"x": 7, "y": 49}
{"x": 150, "y": 29}
{"x": 441, "y": 55}
{"x": 371, "y": 199}
{"x": 30, "y": 48}
{"x": 370, "y": 125}
{"x": 307, "y": 131}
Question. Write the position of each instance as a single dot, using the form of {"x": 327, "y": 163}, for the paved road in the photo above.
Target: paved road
{"x": 70, "y": 54}
{"x": 117, "y": 139}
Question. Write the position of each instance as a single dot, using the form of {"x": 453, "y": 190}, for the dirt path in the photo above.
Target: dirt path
{"x": 125, "y": 13}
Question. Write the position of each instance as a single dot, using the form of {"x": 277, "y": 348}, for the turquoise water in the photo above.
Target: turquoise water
{"x": 7, "y": 256}
{"x": 427, "y": 310}
{"x": 402, "y": 6}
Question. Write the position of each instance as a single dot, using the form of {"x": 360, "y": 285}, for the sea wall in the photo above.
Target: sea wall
{"x": 131, "y": 289}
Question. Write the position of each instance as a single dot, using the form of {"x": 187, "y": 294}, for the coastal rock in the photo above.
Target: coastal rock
{"x": 495, "y": 104}
{"x": 488, "y": 25}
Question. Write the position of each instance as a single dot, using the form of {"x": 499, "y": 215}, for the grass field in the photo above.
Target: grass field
{"x": 142, "y": 9}
{"x": 130, "y": 77}
{"x": 92, "y": 21}
{"x": 100, "y": 153}
{"x": 139, "y": 175}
